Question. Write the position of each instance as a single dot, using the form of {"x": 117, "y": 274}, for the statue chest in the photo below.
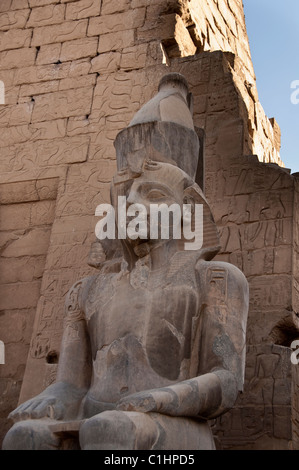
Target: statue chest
{"x": 156, "y": 323}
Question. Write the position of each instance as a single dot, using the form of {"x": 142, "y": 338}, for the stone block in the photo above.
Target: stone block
{"x": 21, "y": 269}
{"x": 83, "y": 9}
{"x": 48, "y": 130}
{"x": 17, "y": 58}
{"x": 66, "y": 31}
{"x": 14, "y": 19}
{"x": 19, "y": 4}
{"x": 47, "y": 188}
{"x": 118, "y": 22}
{"x": 134, "y": 57}
{"x": 46, "y": 15}
{"x": 41, "y": 73}
{"x": 162, "y": 28}
{"x": 13, "y": 325}
{"x": 48, "y": 54}
{"x": 51, "y": 72}
{"x": 42, "y": 213}
{"x": 19, "y": 296}
{"x": 47, "y": 153}
{"x": 81, "y": 125}
{"x": 62, "y": 104}
{"x": 77, "y": 82}
{"x": 5, "y": 5}
{"x": 12, "y": 193}
{"x": 34, "y": 242}
{"x": 39, "y": 88}
{"x": 116, "y": 41}
{"x": 80, "y": 67}
{"x": 116, "y": 6}
{"x": 15, "y": 39}
{"x": 79, "y": 48}
{"x": 106, "y": 63}
{"x": 15, "y": 216}
{"x": 15, "y": 115}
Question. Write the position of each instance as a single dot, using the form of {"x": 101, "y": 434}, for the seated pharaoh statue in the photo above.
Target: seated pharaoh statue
{"x": 154, "y": 342}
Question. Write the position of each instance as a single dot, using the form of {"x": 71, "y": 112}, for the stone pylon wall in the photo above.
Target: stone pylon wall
{"x": 75, "y": 72}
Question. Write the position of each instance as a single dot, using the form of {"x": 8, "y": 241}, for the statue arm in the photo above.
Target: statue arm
{"x": 74, "y": 365}
{"x": 218, "y": 359}
{"x": 62, "y": 399}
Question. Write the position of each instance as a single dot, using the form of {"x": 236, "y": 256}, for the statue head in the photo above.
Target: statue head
{"x": 157, "y": 160}
{"x": 164, "y": 192}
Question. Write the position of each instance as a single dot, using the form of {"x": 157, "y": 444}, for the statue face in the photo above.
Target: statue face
{"x": 159, "y": 184}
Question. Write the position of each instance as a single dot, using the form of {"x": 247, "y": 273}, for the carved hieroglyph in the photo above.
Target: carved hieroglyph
{"x": 154, "y": 343}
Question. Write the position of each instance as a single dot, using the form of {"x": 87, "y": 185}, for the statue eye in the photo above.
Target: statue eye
{"x": 156, "y": 194}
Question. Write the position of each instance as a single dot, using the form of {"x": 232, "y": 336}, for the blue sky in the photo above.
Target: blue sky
{"x": 273, "y": 30}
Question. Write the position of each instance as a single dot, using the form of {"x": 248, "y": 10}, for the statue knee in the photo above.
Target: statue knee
{"x": 110, "y": 430}
{"x": 118, "y": 430}
{"x": 30, "y": 435}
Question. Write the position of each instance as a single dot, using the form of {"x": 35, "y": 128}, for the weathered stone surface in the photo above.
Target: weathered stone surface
{"x": 13, "y": 19}
{"x": 106, "y": 63}
{"x": 38, "y": 131}
{"x": 66, "y": 31}
{"x": 62, "y": 104}
{"x": 72, "y": 50}
{"x": 39, "y": 88}
{"x": 83, "y": 9}
{"x": 117, "y": 22}
{"x": 16, "y": 115}
{"x": 134, "y": 57}
{"x": 46, "y": 15}
{"x": 17, "y": 58}
{"x": 49, "y": 54}
{"x": 15, "y": 39}
{"x": 52, "y": 72}
{"x": 115, "y": 6}
{"x": 116, "y": 41}
{"x": 5, "y": 5}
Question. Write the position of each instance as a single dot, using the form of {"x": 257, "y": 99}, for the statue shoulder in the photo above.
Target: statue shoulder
{"x": 221, "y": 280}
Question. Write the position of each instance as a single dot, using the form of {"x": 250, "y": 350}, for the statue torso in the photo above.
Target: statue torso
{"x": 141, "y": 326}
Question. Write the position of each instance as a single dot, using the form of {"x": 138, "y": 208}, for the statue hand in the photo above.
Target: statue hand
{"x": 197, "y": 397}
{"x": 58, "y": 401}
{"x": 39, "y": 407}
{"x": 159, "y": 400}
